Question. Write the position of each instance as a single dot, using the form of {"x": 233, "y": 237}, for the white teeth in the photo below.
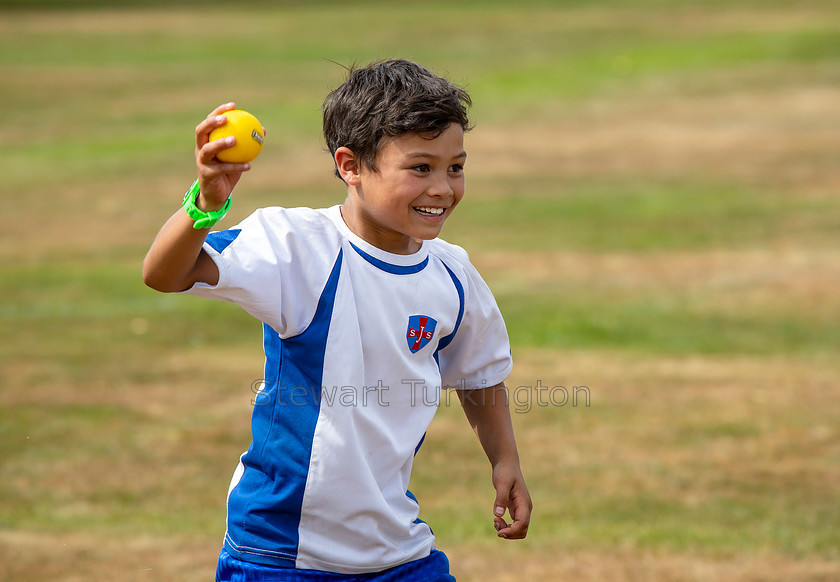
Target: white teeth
{"x": 429, "y": 210}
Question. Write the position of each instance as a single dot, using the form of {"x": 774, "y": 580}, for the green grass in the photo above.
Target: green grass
{"x": 108, "y": 482}
{"x": 636, "y": 216}
{"x": 657, "y": 325}
{"x": 693, "y": 294}
{"x": 728, "y": 526}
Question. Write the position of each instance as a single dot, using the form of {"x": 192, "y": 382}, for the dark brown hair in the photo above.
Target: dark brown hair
{"x": 387, "y": 99}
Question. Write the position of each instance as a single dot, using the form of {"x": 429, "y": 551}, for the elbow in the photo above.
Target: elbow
{"x": 153, "y": 280}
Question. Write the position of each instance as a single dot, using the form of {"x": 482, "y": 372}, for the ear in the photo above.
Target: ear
{"x": 347, "y": 165}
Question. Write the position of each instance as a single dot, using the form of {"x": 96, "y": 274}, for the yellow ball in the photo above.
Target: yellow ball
{"x": 249, "y": 135}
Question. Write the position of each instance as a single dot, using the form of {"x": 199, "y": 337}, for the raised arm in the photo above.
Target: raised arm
{"x": 488, "y": 413}
{"x": 175, "y": 261}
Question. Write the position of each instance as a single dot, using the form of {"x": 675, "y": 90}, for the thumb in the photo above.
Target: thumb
{"x": 500, "y": 505}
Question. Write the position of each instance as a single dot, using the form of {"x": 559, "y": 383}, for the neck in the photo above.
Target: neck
{"x": 371, "y": 233}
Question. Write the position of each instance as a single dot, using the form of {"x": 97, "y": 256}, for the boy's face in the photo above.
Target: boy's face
{"x": 417, "y": 186}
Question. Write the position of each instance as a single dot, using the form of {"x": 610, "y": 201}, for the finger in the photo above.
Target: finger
{"x": 516, "y": 531}
{"x": 502, "y": 501}
{"x": 499, "y": 508}
{"x": 223, "y": 169}
{"x": 208, "y": 152}
{"x": 521, "y": 515}
{"x": 499, "y": 523}
{"x": 224, "y": 107}
{"x": 211, "y": 122}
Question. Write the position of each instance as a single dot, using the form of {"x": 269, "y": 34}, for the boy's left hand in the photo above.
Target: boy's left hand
{"x": 512, "y": 496}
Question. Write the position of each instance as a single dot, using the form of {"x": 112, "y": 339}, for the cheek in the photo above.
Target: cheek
{"x": 457, "y": 198}
{"x": 458, "y": 189}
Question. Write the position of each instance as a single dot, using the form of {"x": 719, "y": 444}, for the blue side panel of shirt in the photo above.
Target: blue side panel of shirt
{"x": 265, "y": 506}
{"x": 221, "y": 240}
{"x": 445, "y": 341}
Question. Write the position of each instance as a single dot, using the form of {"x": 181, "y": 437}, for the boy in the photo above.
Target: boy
{"x": 366, "y": 314}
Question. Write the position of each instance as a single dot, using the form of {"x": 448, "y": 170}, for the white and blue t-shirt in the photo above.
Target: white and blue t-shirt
{"x": 358, "y": 343}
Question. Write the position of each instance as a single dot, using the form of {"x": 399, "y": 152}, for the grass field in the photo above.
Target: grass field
{"x": 652, "y": 195}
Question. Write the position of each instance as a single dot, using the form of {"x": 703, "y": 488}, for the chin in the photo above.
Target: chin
{"x": 428, "y": 235}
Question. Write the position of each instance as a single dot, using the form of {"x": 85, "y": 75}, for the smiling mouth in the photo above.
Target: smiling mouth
{"x": 429, "y": 211}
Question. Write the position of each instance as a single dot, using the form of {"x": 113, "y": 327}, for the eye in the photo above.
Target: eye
{"x": 456, "y": 168}
{"x": 423, "y": 168}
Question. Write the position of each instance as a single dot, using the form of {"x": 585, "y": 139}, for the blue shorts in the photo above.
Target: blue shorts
{"x": 434, "y": 568}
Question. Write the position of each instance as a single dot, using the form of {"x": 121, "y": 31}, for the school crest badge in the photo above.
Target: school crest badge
{"x": 421, "y": 328}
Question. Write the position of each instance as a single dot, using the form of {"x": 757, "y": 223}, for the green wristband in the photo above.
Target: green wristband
{"x": 202, "y": 219}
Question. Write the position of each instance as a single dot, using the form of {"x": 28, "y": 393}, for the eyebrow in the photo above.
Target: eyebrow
{"x": 426, "y": 155}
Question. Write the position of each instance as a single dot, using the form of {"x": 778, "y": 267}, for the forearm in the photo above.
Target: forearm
{"x": 488, "y": 413}
{"x": 175, "y": 262}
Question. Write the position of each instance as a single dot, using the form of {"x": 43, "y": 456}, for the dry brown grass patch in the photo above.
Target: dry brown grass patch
{"x": 471, "y": 565}
{"x": 749, "y": 281}
{"x": 786, "y": 134}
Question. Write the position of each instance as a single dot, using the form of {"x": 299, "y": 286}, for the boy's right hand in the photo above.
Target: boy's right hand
{"x": 216, "y": 179}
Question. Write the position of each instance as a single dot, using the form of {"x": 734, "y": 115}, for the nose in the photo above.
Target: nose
{"x": 441, "y": 187}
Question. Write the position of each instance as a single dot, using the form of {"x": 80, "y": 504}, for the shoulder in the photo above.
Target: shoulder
{"x": 302, "y": 219}
{"x": 457, "y": 263}
{"x": 456, "y": 259}
{"x": 451, "y": 255}
{"x": 273, "y": 233}
{"x": 295, "y": 227}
